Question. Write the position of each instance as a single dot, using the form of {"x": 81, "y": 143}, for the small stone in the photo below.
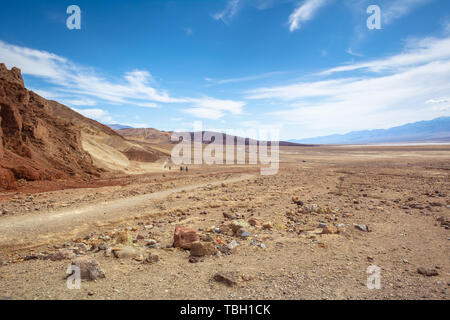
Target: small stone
{"x": 239, "y": 224}
{"x": 228, "y": 278}
{"x": 427, "y": 272}
{"x": 232, "y": 245}
{"x": 128, "y": 252}
{"x": 152, "y": 258}
{"x": 91, "y": 293}
{"x": 362, "y": 227}
{"x": 102, "y": 246}
{"x": 108, "y": 252}
{"x": 297, "y": 201}
{"x": 245, "y": 234}
{"x": 150, "y": 242}
{"x": 267, "y": 225}
{"x": 200, "y": 249}
{"x": 193, "y": 259}
{"x": 330, "y": 230}
{"x": 61, "y": 254}
{"x": 125, "y": 238}
{"x": 253, "y": 222}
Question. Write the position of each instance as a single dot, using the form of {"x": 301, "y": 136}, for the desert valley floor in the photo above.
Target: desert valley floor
{"x": 308, "y": 232}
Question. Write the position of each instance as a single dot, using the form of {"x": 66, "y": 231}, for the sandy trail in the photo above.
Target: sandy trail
{"x": 25, "y": 232}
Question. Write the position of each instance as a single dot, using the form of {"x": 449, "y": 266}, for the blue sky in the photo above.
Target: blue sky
{"x": 306, "y": 68}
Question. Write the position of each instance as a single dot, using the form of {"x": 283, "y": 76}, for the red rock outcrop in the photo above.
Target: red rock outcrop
{"x": 35, "y": 144}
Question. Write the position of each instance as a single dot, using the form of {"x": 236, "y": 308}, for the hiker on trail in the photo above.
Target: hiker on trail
{"x": 181, "y": 169}
{"x": 187, "y": 169}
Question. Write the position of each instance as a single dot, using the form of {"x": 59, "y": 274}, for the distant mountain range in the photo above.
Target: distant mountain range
{"x": 118, "y": 126}
{"x": 437, "y": 130}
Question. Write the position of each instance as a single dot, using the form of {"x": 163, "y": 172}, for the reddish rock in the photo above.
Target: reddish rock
{"x": 27, "y": 173}
{"x": 184, "y": 237}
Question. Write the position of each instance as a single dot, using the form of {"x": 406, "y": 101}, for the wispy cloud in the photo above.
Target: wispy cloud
{"x": 395, "y": 9}
{"x": 405, "y": 91}
{"x": 76, "y": 85}
{"x": 305, "y": 12}
{"x": 419, "y": 51}
{"x": 244, "y": 79}
{"x": 210, "y": 108}
{"x": 230, "y": 10}
{"x": 350, "y": 52}
{"x": 96, "y": 114}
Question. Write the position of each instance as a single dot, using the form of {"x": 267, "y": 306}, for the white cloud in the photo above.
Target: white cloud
{"x": 419, "y": 51}
{"x": 230, "y": 10}
{"x": 96, "y": 114}
{"x": 395, "y": 9}
{"x": 350, "y": 52}
{"x": 304, "y": 13}
{"x": 405, "y": 92}
{"x": 244, "y": 79}
{"x": 80, "y": 86}
{"x": 210, "y": 108}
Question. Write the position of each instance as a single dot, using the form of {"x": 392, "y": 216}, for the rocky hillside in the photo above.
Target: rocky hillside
{"x": 45, "y": 140}
{"x": 35, "y": 145}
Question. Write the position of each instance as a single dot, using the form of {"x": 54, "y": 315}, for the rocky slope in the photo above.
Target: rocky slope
{"x": 35, "y": 145}
{"x": 45, "y": 140}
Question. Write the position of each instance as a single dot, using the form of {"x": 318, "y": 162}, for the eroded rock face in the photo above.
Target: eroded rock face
{"x": 35, "y": 144}
{"x": 184, "y": 237}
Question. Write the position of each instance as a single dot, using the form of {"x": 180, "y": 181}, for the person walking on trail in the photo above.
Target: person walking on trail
{"x": 181, "y": 169}
{"x": 187, "y": 169}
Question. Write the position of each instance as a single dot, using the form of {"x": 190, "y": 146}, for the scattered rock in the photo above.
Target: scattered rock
{"x": 61, "y": 254}
{"x": 152, "y": 258}
{"x": 253, "y": 222}
{"x": 362, "y": 227}
{"x": 427, "y": 272}
{"x": 245, "y": 234}
{"x": 89, "y": 268}
{"x": 229, "y": 278}
{"x": 330, "y": 230}
{"x": 310, "y": 208}
{"x": 124, "y": 237}
{"x": 128, "y": 252}
{"x": 232, "y": 245}
{"x": 267, "y": 225}
{"x": 184, "y": 237}
{"x": 201, "y": 249}
{"x": 193, "y": 259}
{"x": 297, "y": 201}
{"x": 236, "y": 225}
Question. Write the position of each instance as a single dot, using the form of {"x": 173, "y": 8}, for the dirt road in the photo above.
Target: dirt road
{"x": 20, "y": 232}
